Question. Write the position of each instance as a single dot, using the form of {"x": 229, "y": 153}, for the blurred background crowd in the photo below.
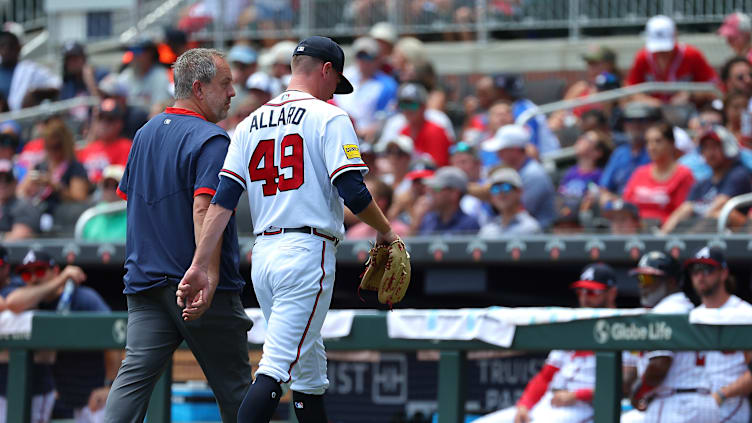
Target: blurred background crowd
{"x": 446, "y": 157}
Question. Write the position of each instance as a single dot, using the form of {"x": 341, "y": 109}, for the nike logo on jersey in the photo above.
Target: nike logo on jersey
{"x": 274, "y": 117}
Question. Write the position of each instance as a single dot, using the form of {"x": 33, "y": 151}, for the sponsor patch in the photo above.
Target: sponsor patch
{"x": 351, "y": 151}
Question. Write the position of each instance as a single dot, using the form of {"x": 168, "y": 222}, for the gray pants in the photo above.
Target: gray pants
{"x": 218, "y": 340}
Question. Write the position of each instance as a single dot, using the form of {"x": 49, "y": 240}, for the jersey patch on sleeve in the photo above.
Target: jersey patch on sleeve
{"x": 351, "y": 151}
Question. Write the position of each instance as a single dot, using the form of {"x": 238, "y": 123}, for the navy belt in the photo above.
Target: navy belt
{"x": 303, "y": 230}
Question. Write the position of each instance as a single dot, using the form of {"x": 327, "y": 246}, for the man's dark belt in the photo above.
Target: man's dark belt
{"x": 302, "y": 230}
{"x": 670, "y": 392}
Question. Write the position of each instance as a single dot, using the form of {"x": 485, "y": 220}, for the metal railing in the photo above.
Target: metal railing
{"x": 731, "y": 205}
{"x": 88, "y": 331}
{"x": 353, "y": 18}
{"x": 98, "y": 210}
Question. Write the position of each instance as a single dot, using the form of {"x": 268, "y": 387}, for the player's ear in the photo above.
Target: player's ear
{"x": 197, "y": 92}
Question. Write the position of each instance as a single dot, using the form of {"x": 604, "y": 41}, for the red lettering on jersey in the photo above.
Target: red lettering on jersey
{"x": 269, "y": 173}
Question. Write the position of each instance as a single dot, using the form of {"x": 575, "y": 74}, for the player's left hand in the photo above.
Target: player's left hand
{"x": 563, "y": 398}
{"x": 98, "y": 398}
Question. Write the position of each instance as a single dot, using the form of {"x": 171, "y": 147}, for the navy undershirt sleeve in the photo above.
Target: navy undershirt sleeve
{"x": 228, "y": 193}
{"x": 352, "y": 189}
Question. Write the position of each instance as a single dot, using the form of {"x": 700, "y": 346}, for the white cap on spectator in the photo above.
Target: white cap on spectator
{"x": 508, "y": 136}
{"x": 448, "y": 177}
{"x": 506, "y": 175}
{"x": 114, "y": 172}
{"x": 279, "y": 53}
{"x": 383, "y": 31}
{"x": 242, "y": 54}
{"x": 682, "y": 140}
{"x": 660, "y": 34}
{"x": 403, "y": 142}
{"x": 262, "y": 82}
{"x": 366, "y": 45}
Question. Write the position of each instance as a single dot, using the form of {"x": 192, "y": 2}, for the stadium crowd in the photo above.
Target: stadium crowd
{"x": 657, "y": 163}
{"x": 639, "y": 165}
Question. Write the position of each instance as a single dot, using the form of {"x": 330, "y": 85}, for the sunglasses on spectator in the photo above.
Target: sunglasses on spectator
{"x": 28, "y": 274}
{"x": 408, "y": 105}
{"x": 704, "y": 268}
{"x": 589, "y": 292}
{"x": 362, "y": 55}
{"x": 461, "y": 147}
{"x": 502, "y": 187}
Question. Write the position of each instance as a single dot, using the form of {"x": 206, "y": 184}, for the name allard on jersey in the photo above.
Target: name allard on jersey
{"x": 275, "y": 117}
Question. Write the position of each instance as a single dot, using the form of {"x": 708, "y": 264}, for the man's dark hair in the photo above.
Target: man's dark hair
{"x": 726, "y": 68}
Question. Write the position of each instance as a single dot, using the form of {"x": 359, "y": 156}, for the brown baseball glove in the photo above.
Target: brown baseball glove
{"x": 387, "y": 271}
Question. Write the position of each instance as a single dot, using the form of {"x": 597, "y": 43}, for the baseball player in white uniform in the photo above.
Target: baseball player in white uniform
{"x": 299, "y": 160}
{"x": 562, "y": 391}
{"x": 672, "y": 387}
{"x": 709, "y": 273}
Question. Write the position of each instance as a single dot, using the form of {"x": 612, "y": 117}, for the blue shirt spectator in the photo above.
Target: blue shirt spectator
{"x": 439, "y": 212}
{"x": 460, "y": 223}
{"x": 735, "y": 182}
{"x": 620, "y": 167}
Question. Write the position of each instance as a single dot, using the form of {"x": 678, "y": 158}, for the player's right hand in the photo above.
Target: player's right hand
{"x": 522, "y": 415}
{"x": 192, "y": 288}
{"x": 386, "y": 238}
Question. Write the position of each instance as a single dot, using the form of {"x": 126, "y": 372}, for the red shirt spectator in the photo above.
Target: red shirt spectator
{"x": 431, "y": 139}
{"x": 658, "y": 199}
{"x": 109, "y": 148}
{"x": 99, "y": 154}
{"x": 664, "y": 60}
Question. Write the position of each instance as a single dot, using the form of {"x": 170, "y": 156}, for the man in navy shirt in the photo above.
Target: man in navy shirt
{"x": 171, "y": 176}
{"x": 80, "y": 376}
{"x": 441, "y": 212}
{"x": 730, "y": 178}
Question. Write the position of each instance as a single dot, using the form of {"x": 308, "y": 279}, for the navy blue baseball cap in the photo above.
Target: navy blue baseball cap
{"x": 327, "y": 50}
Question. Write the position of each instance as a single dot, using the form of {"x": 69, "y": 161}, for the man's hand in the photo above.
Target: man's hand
{"x": 98, "y": 398}
{"x": 563, "y": 398}
{"x": 522, "y": 415}
{"x": 192, "y": 292}
{"x": 386, "y": 238}
{"x": 73, "y": 272}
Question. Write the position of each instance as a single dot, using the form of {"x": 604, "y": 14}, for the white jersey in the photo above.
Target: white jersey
{"x": 687, "y": 367}
{"x": 724, "y": 367}
{"x": 576, "y": 370}
{"x": 287, "y": 154}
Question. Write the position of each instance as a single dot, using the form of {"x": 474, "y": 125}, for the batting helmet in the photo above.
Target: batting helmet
{"x": 657, "y": 263}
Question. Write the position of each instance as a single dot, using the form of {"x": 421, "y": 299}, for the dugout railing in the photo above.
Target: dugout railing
{"x": 606, "y": 336}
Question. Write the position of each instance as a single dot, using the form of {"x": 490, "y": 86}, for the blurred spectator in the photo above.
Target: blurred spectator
{"x": 737, "y": 29}
{"x": 660, "y": 187}
{"x": 41, "y": 379}
{"x": 79, "y": 77}
{"x": 135, "y": 117}
{"x": 420, "y": 170}
{"x": 107, "y": 227}
{"x": 624, "y": 217}
{"x": 374, "y": 91}
{"x": 384, "y": 34}
{"x": 464, "y": 157}
{"x": 274, "y": 16}
{"x": 714, "y": 284}
{"x": 663, "y": 59}
{"x": 18, "y": 218}
{"x": 627, "y": 157}
{"x": 729, "y": 179}
{"x": 278, "y": 59}
{"x": 77, "y": 375}
{"x": 259, "y": 89}
{"x": 397, "y": 122}
{"x": 439, "y": 211}
{"x": 428, "y": 137}
{"x": 199, "y": 14}
{"x": 506, "y": 197}
{"x": 600, "y": 61}
{"x": 174, "y": 43}
{"x": 33, "y": 151}
{"x": 592, "y": 149}
{"x": 147, "y": 81}
{"x": 108, "y": 147}
{"x": 59, "y": 177}
{"x": 23, "y": 83}
{"x": 538, "y": 197}
{"x": 511, "y": 88}
{"x": 736, "y": 75}
{"x": 408, "y": 53}
{"x": 398, "y": 152}
{"x": 708, "y": 117}
{"x": 382, "y": 195}
{"x": 10, "y": 139}
{"x": 737, "y": 117}
{"x": 243, "y": 64}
